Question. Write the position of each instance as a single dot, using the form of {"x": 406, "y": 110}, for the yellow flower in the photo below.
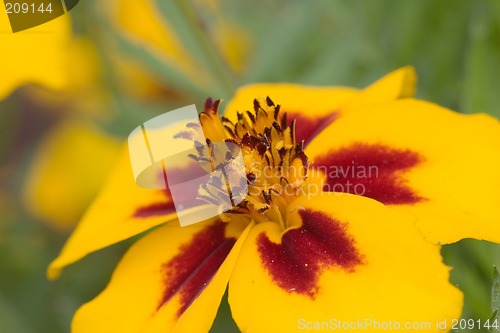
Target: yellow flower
{"x": 66, "y": 67}
{"x": 71, "y": 164}
{"x": 37, "y": 55}
{"x": 297, "y": 253}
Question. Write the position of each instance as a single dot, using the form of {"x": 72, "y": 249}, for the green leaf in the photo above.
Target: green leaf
{"x": 160, "y": 67}
{"x": 495, "y": 300}
{"x": 284, "y": 49}
{"x": 196, "y": 38}
{"x": 224, "y": 321}
{"x": 481, "y": 82}
{"x": 471, "y": 261}
{"x": 10, "y": 320}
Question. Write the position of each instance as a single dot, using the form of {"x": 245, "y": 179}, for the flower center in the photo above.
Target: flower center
{"x": 275, "y": 164}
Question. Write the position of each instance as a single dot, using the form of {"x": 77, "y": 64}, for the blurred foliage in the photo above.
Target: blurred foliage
{"x": 495, "y": 299}
{"x": 221, "y": 45}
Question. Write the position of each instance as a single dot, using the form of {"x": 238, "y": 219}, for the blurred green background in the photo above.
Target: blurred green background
{"x": 143, "y": 58}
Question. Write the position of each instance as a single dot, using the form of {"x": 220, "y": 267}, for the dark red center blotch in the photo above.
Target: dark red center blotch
{"x": 166, "y": 205}
{"x": 156, "y": 209}
{"x": 320, "y": 243}
{"x": 189, "y": 272}
{"x": 306, "y": 128}
{"x": 374, "y": 171}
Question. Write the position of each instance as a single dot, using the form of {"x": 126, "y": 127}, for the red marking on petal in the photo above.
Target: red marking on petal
{"x": 166, "y": 206}
{"x": 372, "y": 171}
{"x": 306, "y": 128}
{"x": 156, "y": 209}
{"x": 321, "y": 243}
{"x": 189, "y": 272}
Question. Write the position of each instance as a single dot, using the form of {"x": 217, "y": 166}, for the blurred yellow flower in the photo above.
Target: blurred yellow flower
{"x": 234, "y": 43}
{"x": 68, "y": 169}
{"x": 143, "y": 26}
{"x": 141, "y": 23}
{"x": 64, "y": 169}
{"x": 37, "y": 55}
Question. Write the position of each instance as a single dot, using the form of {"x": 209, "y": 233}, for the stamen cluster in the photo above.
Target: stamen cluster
{"x": 275, "y": 164}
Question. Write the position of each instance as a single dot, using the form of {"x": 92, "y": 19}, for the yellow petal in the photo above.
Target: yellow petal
{"x": 121, "y": 210}
{"x": 311, "y": 106}
{"x": 348, "y": 259}
{"x": 70, "y": 165}
{"x": 172, "y": 280}
{"x": 37, "y": 55}
{"x": 314, "y": 108}
{"x": 422, "y": 158}
{"x": 398, "y": 84}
